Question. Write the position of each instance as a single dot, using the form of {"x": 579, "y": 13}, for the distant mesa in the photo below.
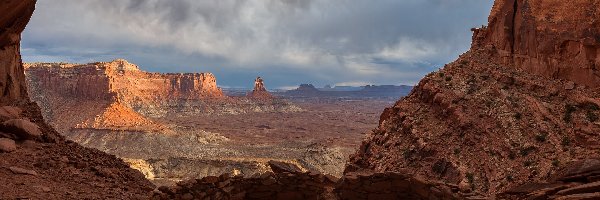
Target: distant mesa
{"x": 307, "y": 87}
{"x": 368, "y": 91}
{"x": 120, "y": 80}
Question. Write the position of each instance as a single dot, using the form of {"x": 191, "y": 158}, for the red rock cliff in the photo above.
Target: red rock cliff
{"x": 105, "y": 95}
{"x": 121, "y": 80}
{"x": 552, "y": 38}
{"x": 506, "y": 112}
{"x": 15, "y": 16}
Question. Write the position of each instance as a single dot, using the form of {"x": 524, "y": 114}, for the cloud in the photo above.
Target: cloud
{"x": 288, "y": 41}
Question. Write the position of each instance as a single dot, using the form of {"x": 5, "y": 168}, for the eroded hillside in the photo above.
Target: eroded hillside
{"x": 515, "y": 109}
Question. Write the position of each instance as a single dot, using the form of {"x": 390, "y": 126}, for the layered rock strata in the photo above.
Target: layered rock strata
{"x": 15, "y": 16}
{"x": 551, "y": 38}
{"x": 292, "y": 184}
{"x": 512, "y": 110}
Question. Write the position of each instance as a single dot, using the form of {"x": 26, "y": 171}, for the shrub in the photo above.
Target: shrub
{"x": 555, "y": 163}
{"x": 470, "y": 178}
{"x": 407, "y": 153}
{"x": 518, "y": 116}
{"x": 592, "y": 117}
{"x": 448, "y": 78}
{"x": 456, "y": 151}
{"x": 565, "y": 141}
{"x": 512, "y": 155}
{"x": 542, "y": 137}
{"x": 569, "y": 110}
{"x": 527, "y": 163}
{"x": 525, "y": 151}
{"x": 510, "y": 178}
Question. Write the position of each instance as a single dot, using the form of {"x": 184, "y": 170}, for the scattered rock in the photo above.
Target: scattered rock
{"x": 187, "y": 196}
{"x": 8, "y": 135}
{"x": 9, "y": 112}
{"x": 281, "y": 167}
{"x": 17, "y": 170}
{"x": 42, "y": 188}
{"x": 570, "y": 85}
{"x": 7, "y": 145}
{"x": 24, "y": 129}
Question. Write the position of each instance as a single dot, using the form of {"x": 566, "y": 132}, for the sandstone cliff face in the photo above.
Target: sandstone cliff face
{"x": 514, "y": 109}
{"x": 14, "y": 18}
{"x": 112, "y": 95}
{"x": 121, "y": 80}
{"x": 552, "y": 38}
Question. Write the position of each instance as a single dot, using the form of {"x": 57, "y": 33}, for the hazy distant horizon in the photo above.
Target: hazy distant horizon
{"x": 287, "y": 42}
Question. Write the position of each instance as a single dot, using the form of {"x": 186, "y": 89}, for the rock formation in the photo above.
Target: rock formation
{"x": 123, "y": 80}
{"x": 36, "y": 162}
{"x": 111, "y": 95}
{"x": 291, "y": 184}
{"x": 15, "y": 16}
{"x": 118, "y": 96}
{"x": 578, "y": 180}
{"x": 259, "y": 91}
{"x": 513, "y": 109}
{"x": 259, "y": 85}
{"x": 546, "y": 37}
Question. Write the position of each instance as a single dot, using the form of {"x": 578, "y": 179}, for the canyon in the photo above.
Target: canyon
{"x": 515, "y": 117}
{"x": 174, "y": 127}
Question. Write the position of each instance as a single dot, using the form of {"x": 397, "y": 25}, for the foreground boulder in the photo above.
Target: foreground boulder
{"x": 9, "y": 112}
{"x": 24, "y": 129}
{"x": 289, "y": 183}
{"x": 7, "y": 145}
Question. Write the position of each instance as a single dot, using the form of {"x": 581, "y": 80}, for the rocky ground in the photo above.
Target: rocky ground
{"x": 37, "y": 163}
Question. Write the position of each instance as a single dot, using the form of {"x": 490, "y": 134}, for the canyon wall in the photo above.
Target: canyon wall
{"x": 14, "y": 18}
{"x": 546, "y": 37}
{"x": 36, "y": 161}
{"x": 121, "y": 80}
{"x": 113, "y": 95}
{"x": 516, "y": 108}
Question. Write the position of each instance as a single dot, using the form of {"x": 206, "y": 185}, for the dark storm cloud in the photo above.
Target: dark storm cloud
{"x": 286, "y": 41}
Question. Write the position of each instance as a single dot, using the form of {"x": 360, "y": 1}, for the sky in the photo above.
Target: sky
{"x": 287, "y": 42}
